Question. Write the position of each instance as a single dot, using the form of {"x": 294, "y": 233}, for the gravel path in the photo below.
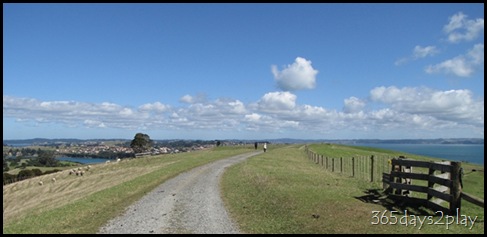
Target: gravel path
{"x": 187, "y": 203}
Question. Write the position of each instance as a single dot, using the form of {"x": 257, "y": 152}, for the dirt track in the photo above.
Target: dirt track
{"x": 188, "y": 203}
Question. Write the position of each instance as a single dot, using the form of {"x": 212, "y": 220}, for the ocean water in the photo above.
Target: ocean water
{"x": 471, "y": 153}
{"x": 83, "y": 160}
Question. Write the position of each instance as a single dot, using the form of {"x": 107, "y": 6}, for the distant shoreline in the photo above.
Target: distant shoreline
{"x": 59, "y": 141}
{"x": 471, "y": 153}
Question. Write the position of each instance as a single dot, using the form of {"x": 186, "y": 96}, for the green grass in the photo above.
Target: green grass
{"x": 282, "y": 191}
{"x": 473, "y": 180}
{"x": 75, "y": 205}
{"x": 15, "y": 171}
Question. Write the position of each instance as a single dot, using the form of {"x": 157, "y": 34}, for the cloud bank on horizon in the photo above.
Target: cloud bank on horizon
{"x": 406, "y": 109}
{"x": 387, "y": 111}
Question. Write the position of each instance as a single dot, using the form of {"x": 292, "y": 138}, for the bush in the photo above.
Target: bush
{"x": 9, "y": 178}
{"x": 51, "y": 171}
{"x": 25, "y": 174}
{"x": 37, "y": 172}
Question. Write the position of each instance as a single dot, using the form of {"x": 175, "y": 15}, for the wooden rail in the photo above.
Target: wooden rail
{"x": 443, "y": 178}
{"x": 441, "y": 187}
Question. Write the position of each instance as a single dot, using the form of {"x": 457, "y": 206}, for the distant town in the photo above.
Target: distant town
{"x": 109, "y": 149}
{"x": 120, "y": 148}
{"x": 189, "y": 142}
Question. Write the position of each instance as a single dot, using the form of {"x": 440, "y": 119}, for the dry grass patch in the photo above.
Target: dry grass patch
{"x": 82, "y": 204}
{"x": 28, "y": 197}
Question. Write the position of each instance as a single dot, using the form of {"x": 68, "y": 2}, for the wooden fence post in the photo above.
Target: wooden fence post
{"x": 332, "y": 164}
{"x": 341, "y": 164}
{"x": 456, "y": 189}
{"x": 398, "y": 168}
{"x": 353, "y": 166}
{"x": 372, "y": 168}
{"x": 431, "y": 172}
{"x": 401, "y": 177}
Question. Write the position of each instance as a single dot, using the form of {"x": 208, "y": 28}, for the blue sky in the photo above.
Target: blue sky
{"x": 243, "y": 71}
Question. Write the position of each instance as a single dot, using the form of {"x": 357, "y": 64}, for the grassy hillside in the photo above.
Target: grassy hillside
{"x": 280, "y": 191}
{"x": 82, "y": 204}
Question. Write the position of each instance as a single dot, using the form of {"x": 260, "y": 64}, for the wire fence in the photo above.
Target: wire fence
{"x": 368, "y": 168}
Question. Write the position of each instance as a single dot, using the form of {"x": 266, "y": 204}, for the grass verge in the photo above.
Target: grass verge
{"x": 281, "y": 191}
{"x": 74, "y": 205}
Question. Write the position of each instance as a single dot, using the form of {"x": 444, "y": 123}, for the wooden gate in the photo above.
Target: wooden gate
{"x": 443, "y": 183}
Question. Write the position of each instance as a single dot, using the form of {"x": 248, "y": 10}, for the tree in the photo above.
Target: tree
{"x": 37, "y": 172}
{"x": 141, "y": 143}
{"x": 25, "y": 174}
{"x": 8, "y": 178}
{"x": 5, "y": 164}
{"x": 46, "y": 158}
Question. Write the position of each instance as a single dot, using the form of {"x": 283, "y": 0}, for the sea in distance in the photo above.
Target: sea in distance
{"x": 471, "y": 153}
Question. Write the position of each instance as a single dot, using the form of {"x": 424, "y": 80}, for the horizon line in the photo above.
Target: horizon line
{"x": 284, "y": 138}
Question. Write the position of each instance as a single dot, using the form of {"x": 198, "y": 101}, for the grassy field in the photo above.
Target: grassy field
{"x": 280, "y": 191}
{"x": 68, "y": 165}
{"x": 82, "y": 204}
{"x": 473, "y": 178}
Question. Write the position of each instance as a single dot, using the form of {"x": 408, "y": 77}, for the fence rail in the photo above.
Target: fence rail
{"x": 475, "y": 200}
{"x": 439, "y": 188}
{"x": 364, "y": 167}
{"x": 442, "y": 179}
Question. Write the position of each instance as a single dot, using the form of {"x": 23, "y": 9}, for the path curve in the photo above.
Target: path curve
{"x": 187, "y": 203}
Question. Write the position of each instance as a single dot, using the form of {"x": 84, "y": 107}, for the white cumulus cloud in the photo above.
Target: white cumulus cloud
{"x": 297, "y": 76}
{"x": 452, "y": 105}
{"x": 157, "y": 107}
{"x": 353, "y": 104}
{"x": 462, "y": 65}
{"x": 253, "y": 117}
{"x": 403, "y": 111}
{"x": 277, "y": 101}
{"x": 187, "y": 99}
{"x": 419, "y": 52}
{"x": 462, "y": 29}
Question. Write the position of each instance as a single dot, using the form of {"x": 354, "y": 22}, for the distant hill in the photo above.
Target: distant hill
{"x": 412, "y": 141}
{"x": 47, "y": 141}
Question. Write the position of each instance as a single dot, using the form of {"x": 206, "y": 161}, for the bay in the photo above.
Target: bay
{"x": 20, "y": 144}
{"x": 84, "y": 160}
{"x": 471, "y": 153}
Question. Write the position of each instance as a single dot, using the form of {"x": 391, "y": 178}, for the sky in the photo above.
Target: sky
{"x": 243, "y": 70}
